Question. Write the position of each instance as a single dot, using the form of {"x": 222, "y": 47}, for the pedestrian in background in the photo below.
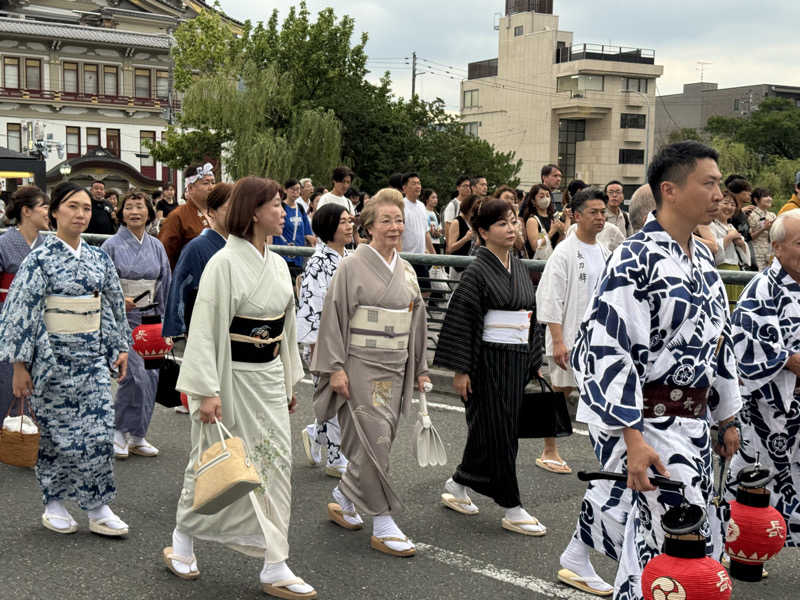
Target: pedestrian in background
{"x": 760, "y": 221}
{"x": 296, "y": 229}
{"x": 431, "y": 201}
{"x": 103, "y": 220}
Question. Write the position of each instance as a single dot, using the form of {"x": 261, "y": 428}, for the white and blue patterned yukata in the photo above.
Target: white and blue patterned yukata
{"x": 658, "y": 316}
{"x": 13, "y": 250}
{"x": 135, "y": 260}
{"x": 766, "y": 332}
{"x": 71, "y": 372}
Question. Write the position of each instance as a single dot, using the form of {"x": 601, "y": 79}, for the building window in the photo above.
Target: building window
{"x": 148, "y": 165}
{"x": 162, "y": 84}
{"x": 73, "y": 142}
{"x": 92, "y": 138}
{"x": 472, "y": 128}
{"x": 471, "y": 98}
{"x": 11, "y": 72}
{"x": 570, "y": 132}
{"x": 112, "y": 141}
{"x": 632, "y": 121}
{"x": 90, "y": 80}
{"x": 518, "y": 30}
{"x": 580, "y": 83}
{"x": 634, "y": 84}
{"x": 70, "y": 78}
{"x": 736, "y": 105}
{"x": 14, "y": 137}
{"x": 142, "y": 83}
{"x": 33, "y": 74}
{"x": 631, "y": 157}
{"x": 110, "y": 87}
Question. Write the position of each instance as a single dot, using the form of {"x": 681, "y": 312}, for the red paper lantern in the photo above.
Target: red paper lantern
{"x": 683, "y": 571}
{"x": 756, "y": 531}
{"x": 148, "y": 342}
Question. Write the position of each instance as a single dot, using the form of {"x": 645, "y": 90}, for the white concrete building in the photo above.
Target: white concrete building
{"x": 588, "y": 108}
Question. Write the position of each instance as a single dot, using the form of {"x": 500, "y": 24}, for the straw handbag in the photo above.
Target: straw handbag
{"x": 17, "y": 447}
{"x": 224, "y": 473}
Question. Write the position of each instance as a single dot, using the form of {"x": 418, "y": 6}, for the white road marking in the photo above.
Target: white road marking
{"x": 528, "y": 582}
{"x": 456, "y": 409}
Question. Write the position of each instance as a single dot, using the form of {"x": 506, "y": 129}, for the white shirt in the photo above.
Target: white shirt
{"x": 451, "y": 210}
{"x": 416, "y": 217}
{"x": 331, "y": 198}
{"x": 389, "y": 265}
{"x": 595, "y": 262}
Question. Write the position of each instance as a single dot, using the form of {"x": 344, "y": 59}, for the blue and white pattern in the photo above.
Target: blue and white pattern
{"x": 317, "y": 276}
{"x": 134, "y": 260}
{"x": 71, "y": 385}
{"x": 766, "y": 332}
{"x": 658, "y": 316}
{"x": 13, "y": 250}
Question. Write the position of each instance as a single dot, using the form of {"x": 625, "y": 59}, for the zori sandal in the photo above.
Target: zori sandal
{"x": 460, "y": 505}
{"x": 280, "y": 589}
{"x": 516, "y": 527}
{"x": 170, "y": 556}
{"x": 380, "y": 545}
{"x": 336, "y": 514}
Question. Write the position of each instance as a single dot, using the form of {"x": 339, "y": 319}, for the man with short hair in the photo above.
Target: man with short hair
{"x": 188, "y": 220}
{"x": 306, "y": 189}
{"x": 551, "y": 177}
{"x": 102, "y": 220}
{"x": 296, "y": 227}
{"x": 615, "y": 214}
{"x": 464, "y": 190}
{"x": 654, "y": 363}
{"x": 342, "y": 178}
{"x": 794, "y": 201}
{"x": 642, "y": 204}
{"x": 479, "y": 186}
{"x": 416, "y": 234}
{"x": 766, "y": 337}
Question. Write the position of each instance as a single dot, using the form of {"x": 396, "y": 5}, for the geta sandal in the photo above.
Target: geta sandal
{"x": 515, "y": 526}
{"x": 280, "y": 589}
{"x": 169, "y": 556}
{"x": 458, "y": 504}
{"x": 583, "y": 583}
{"x": 379, "y": 544}
{"x": 336, "y": 514}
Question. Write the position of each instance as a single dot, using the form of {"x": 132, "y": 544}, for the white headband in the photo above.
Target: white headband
{"x": 205, "y": 170}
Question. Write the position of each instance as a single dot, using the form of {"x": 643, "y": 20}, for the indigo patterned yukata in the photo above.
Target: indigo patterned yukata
{"x": 186, "y": 281}
{"x": 139, "y": 264}
{"x": 766, "y": 332}
{"x": 71, "y": 372}
{"x": 13, "y": 249}
{"x": 658, "y": 316}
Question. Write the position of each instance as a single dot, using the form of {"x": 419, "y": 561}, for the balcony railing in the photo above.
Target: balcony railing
{"x": 600, "y": 52}
{"x": 81, "y": 98}
{"x": 483, "y": 68}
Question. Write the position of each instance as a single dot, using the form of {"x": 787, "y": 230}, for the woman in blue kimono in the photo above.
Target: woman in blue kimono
{"x": 144, "y": 272}
{"x": 63, "y": 327}
{"x": 28, "y": 210}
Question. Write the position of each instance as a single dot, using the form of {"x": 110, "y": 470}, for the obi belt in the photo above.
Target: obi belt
{"x": 72, "y": 314}
{"x": 506, "y": 326}
{"x": 256, "y": 340}
{"x": 380, "y": 328}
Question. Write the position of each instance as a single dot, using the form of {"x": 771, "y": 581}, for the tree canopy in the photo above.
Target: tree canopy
{"x": 291, "y": 99}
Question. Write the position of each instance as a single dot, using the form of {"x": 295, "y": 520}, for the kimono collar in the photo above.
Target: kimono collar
{"x": 653, "y": 230}
{"x": 780, "y": 276}
{"x": 14, "y": 231}
{"x": 125, "y": 232}
{"x": 390, "y": 265}
{"x": 330, "y": 252}
{"x": 76, "y": 252}
{"x": 242, "y": 245}
{"x": 490, "y": 256}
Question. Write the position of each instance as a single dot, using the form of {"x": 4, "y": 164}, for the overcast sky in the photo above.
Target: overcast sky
{"x": 746, "y": 42}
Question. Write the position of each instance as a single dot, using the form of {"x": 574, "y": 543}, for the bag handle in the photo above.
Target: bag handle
{"x": 543, "y": 384}
{"x": 221, "y": 429}
{"x": 21, "y": 402}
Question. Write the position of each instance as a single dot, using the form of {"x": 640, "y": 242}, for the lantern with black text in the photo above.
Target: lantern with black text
{"x": 756, "y": 531}
{"x": 148, "y": 342}
{"x": 683, "y": 571}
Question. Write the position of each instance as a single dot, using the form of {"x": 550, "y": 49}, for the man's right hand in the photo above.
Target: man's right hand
{"x": 641, "y": 456}
{"x": 561, "y": 355}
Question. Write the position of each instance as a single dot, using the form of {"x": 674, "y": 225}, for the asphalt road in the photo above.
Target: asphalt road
{"x": 459, "y": 557}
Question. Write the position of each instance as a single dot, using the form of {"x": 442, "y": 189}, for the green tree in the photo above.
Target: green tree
{"x": 773, "y": 129}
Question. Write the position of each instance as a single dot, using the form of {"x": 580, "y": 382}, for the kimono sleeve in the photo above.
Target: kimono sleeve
{"x": 551, "y": 293}
{"x": 290, "y": 355}
{"x": 22, "y": 321}
{"x": 183, "y": 281}
{"x": 199, "y": 375}
{"x": 419, "y": 324}
{"x": 113, "y": 319}
{"x": 757, "y": 339}
{"x": 312, "y": 298}
{"x": 462, "y": 330}
{"x": 171, "y": 237}
{"x": 164, "y": 278}
{"x": 330, "y": 353}
{"x": 611, "y": 349}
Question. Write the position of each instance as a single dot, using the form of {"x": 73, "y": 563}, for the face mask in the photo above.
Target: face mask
{"x": 543, "y": 203}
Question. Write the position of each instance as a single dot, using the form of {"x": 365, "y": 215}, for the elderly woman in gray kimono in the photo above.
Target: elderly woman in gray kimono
{"x": 370, "y": 354}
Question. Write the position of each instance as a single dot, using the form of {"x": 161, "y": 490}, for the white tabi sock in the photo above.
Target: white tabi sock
{"x": 461, "y": 492}
{"x": 58, "y": 515}
{"x": 183, "y": 545}
{"x": 518, "y": 514}
{"x": 347, "y": 506}
{"x": 383, "y": 526}
{"x": 576, "y": 558}
{"x": 280, "y": 571}
{"x": 120, "y": 439}
{"x": 104, "y": 512}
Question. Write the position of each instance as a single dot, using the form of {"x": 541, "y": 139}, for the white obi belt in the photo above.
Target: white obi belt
{"x": 380, "y": 328}
{"x": 506, "y": 326}
{"x": 72, "y": 314}
{"x": 143, "y": 291}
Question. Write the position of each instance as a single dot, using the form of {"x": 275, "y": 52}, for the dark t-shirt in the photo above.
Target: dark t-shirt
{"x": 101, "y": 221}
{"x": 166, "y": 207}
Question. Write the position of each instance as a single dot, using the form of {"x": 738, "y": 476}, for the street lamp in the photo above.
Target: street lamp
{"x": 65, "y": 170}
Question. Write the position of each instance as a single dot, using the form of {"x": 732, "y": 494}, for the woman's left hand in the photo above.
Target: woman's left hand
{"x": 292, "y": 404}
{"x": 421, "y": 381}
{"x": 122, "y": 365}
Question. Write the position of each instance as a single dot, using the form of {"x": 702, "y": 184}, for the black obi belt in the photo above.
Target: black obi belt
{"x": 256, "y": 340}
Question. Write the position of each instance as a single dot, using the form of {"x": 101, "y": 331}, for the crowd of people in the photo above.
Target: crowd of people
{"x": 630, "y": 312}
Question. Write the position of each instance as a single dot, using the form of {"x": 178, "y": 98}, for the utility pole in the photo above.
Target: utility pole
{"x": 413, "y": 75}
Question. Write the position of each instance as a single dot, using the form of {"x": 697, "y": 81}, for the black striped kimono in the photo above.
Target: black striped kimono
{"x": 498, "y": 372}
